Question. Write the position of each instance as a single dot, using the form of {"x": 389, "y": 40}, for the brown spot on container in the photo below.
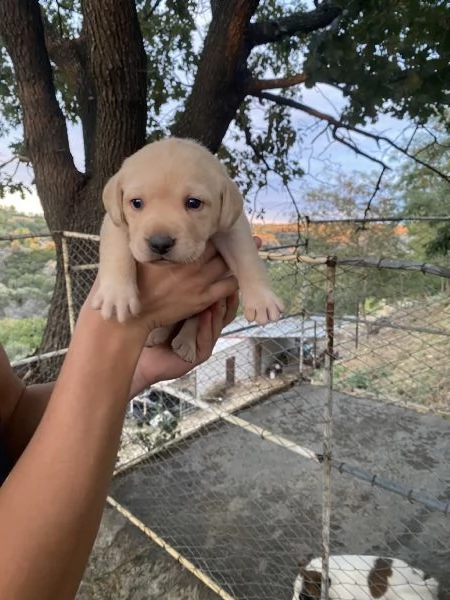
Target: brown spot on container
{"x": 312, "y": 584}
{"x": 378, "y": 577}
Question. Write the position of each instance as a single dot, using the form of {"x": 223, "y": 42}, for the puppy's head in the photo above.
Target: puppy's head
{"x": 172, "y": 195}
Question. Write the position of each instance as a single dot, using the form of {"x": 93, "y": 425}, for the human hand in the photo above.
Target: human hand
{"x": 161, "y": 363}
{"x": 170, "y": 293}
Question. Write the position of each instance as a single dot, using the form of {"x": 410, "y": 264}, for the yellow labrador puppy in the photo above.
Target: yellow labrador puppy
{"x": 166, "y": 201}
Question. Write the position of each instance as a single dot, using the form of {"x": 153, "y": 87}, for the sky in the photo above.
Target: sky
{"x": 319, "y": 158}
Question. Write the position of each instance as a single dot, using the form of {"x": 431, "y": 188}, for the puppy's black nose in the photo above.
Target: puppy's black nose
{"x": 160, "y": 244}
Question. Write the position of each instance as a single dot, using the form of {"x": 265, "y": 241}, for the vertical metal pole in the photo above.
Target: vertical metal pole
{"x": 303, "y": 292}
{"x": 68, "y": 280}
{"x": 302, "y": 327}
{"x": 328, "y": 416}
{"x": 314, "y": 360}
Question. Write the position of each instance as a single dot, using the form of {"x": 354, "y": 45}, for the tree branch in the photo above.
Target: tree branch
{"x": 257, "y": 85}
{"x": 16, "y": 157}
{"x": 222, "y": 78}
{"x": 149, "y": 11}
{"x": 354, "y": 147}
{"x": 337, "y": 124}
{"x": 266, "y": 32}
{"x": 369, "y": 203}
{"x": 22, "y": 33}
{"x": 323, "y": 117}
{"x": 63, "y": 52}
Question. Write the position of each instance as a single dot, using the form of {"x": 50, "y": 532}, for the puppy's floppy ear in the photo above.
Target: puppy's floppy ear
{"x": 113, "y": 200}
{"x": 232, "y": 204}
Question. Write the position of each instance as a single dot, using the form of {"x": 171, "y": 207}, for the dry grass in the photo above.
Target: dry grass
{"x": 407, "y": 359}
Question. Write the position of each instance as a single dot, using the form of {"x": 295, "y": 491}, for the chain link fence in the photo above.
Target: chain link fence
{"x": 326, "y": 433}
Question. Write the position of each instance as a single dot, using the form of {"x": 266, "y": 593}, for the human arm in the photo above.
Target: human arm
{"x": 51, "y": 503}
{"x": 28, "y": 403}
{"x": 164, "y": 290}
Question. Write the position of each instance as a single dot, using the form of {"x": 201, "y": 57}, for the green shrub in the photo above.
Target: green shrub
{"x": 21, "y": 336}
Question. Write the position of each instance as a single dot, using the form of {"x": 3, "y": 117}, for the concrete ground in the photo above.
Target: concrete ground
{"x": 244, "y": 510}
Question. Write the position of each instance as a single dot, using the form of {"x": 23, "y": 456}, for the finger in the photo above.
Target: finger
{"x": 217, "y": 319}
{"x": 221, "y": 289}
{"x": 231, "y": 309}
{"x": 215, "y": 269}
{"x": 205, "y": 341}
{"x": 209, "y": 252}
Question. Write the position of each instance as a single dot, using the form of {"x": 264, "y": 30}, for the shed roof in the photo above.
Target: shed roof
{"x": 289, "y": 327}
{"x": 223, "y": 343}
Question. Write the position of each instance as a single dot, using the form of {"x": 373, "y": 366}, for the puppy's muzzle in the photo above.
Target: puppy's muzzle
{"x": 161, "y": 244}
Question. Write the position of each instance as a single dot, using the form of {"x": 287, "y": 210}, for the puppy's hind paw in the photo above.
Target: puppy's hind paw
{"x": 263, "y": 307}
{"x": 123, "y": 302}
{"x": 158, "y": 336}
{"x": 185, "y": 348}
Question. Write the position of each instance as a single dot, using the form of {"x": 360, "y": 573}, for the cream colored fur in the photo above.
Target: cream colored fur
{"x": 163, "y": 175}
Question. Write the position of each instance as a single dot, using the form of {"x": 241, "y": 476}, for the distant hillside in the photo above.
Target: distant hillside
{"x": 322, "y": 235}
{"x": 27, "y": 275}
{"x": 401, "y": 356}
{"x": 277, "y": 234}
{"x": 13, "y": 222}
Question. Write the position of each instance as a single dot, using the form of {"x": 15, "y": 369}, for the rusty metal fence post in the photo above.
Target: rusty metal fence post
{"x": 304, "y": 271}
{"x": 68, "y": 282}
{"x": 328, "y": 417}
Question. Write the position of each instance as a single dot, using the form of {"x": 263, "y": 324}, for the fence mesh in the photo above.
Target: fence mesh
{"x": 226, "y": 470}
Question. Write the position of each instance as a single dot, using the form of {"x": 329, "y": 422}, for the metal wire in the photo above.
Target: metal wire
{"x": 366, "y": 359}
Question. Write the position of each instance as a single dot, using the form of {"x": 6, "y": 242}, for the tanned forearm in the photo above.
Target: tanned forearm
{"x": 52, "y": 502}
{"x": 25, "y": 418}
{"x": 27, "y": 414}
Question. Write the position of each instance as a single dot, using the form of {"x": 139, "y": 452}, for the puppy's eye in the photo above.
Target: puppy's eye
{"x": 193, "y": 203}
{"x": 136, "y": 203}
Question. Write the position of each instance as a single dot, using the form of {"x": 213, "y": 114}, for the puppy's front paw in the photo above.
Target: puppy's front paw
{"x": 114, "y": 299}
{"x": 262, "y": 306}
{"x": 158, "y": 336}
{"x": 185, "y": 347}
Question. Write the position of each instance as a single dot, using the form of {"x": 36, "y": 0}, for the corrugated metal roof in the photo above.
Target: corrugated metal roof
{"x": 223, "y": 343}
{"x": 290, "y": 327}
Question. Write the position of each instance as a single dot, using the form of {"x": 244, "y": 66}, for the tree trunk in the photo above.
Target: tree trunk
{"x": 111, "y": 62}
{"x": 222, "y": 79}
{"x": 115, "y": 118}
{"x": 116, "y": 67}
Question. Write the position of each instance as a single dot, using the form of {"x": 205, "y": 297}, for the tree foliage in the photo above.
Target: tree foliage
{"x": 19, "y": 337}
{"x": 426, "y": 195}
{"x": 337, "y": 227}
{"x": 385, "y": 58}
{"x": 129, "y": 71}
{"x": 390, "y": 57}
